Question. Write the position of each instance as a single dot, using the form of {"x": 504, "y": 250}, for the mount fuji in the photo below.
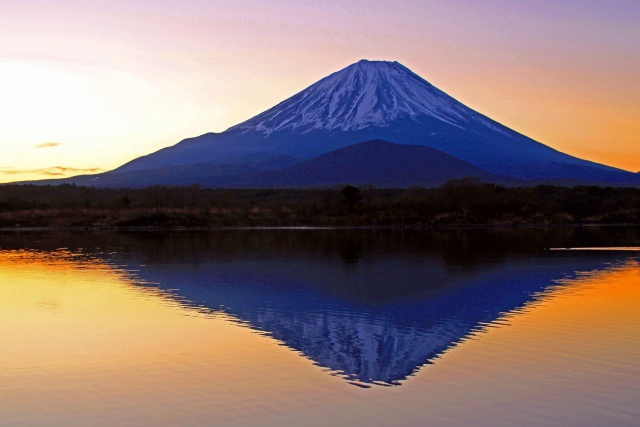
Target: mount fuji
{"x": 366, "y": 101}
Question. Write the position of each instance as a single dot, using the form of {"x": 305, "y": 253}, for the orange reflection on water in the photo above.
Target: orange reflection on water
{"x": 596, "y": 313}
{"x": 68, "y": 308}
{"x": 569, "y": 358}
{"x": 82, "y": 344}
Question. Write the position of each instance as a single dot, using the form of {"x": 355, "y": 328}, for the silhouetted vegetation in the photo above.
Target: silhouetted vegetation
{"x": 459, "y": 202}
{"x": 352, "y": 196}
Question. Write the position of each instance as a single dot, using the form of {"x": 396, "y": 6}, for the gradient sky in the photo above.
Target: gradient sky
{"x": 87, "y": 85}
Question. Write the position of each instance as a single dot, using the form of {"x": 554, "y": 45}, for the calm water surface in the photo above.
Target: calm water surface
{"x": 320, "y": 327}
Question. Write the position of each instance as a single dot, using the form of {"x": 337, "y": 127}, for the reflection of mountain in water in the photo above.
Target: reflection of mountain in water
{"x": 372, "y": 306}
{"x": 367, "y": 341}
{"x": 380, "y": 335}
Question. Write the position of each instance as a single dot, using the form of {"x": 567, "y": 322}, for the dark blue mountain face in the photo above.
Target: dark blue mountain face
{"x": 377, "y": 163}
{"x": 386, "y": 101}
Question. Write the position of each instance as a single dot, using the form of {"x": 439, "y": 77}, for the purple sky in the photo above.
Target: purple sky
{"x": 107, "y": 81}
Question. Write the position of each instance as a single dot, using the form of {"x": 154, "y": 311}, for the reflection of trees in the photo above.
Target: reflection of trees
{"x": 455, "y": 246}
{"x": 349, "y": 251}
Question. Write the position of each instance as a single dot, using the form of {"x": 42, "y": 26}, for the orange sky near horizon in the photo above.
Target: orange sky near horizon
{"x": 86, "y": 86}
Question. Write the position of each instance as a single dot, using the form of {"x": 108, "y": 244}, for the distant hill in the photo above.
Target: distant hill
{"x": 379, "y": 163}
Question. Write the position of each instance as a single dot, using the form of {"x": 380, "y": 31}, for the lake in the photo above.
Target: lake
{"x": 316, "y": 327}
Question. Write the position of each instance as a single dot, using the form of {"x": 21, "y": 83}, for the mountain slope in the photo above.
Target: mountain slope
{"x": 381, "y": 100}
{"x": 378, "y": 163}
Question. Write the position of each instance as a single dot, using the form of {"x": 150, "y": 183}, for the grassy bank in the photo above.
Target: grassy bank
{"x": 461, "y": 202}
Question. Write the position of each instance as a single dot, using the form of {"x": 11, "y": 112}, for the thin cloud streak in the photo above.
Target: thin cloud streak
{"x": 53, "y": 171}
{"x": 48, "y": 145}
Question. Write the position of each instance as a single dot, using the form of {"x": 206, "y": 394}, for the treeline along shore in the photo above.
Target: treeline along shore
{"x": 459, "y": 202}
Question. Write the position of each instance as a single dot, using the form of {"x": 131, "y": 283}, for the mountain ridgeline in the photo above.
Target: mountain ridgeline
{"x": 373, "y": 122}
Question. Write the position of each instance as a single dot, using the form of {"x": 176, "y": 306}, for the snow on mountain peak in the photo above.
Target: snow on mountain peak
{"x": 364, "y": 94}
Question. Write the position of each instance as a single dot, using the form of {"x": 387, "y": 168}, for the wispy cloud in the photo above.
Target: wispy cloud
{"x": 52, "y": 171}
{"x": 48, "y": 145}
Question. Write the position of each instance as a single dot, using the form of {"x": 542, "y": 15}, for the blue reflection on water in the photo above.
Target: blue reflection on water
{"x": 370, "y": 306}
{"x": 360, "y": 319}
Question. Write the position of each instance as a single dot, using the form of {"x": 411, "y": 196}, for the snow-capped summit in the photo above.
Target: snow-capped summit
{"x": 364, "y": 94}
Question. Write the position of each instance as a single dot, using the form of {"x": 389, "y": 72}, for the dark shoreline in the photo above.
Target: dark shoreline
{"x": 347, "y": 243}
{"x": 320, "y": 227}
{"x": 461, "y": 203}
